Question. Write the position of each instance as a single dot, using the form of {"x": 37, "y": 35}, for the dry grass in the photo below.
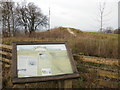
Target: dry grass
{"x": 88, "y": 76}
{"x": 91, "y": 44}
{"x": 85, "y": 43}
{"x": 95, "y": 76}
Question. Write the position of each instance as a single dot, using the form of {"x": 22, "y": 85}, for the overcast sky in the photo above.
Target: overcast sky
{"x": 79, "y": 14}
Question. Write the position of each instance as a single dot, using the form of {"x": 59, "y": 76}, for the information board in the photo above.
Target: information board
{"x": 42, "y": 61}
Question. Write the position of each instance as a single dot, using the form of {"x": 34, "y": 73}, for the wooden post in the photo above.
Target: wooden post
{"x": 19, "y": 86}
{"x": 61, "y": 84}
{"x": 67, "y": 84}
{"x": 64, "y": 84}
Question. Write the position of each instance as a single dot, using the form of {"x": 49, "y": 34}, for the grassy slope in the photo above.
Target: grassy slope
{"x": 86, "y": 43}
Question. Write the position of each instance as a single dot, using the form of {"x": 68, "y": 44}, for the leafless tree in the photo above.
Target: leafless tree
{"x": 104, "y": 15}
{"x": 27, "y": 16}
{"x": 7, "y": 17}
{"x": 109, "y": 30}
{"x": 21, "y": 14}
{"x": 31, "y": 17}
{"x": 101, "y": 10}
{"x": 12, "y": 9}
{"x": 35, "y": 18}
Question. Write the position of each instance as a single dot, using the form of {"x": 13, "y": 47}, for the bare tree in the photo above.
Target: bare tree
{"x": 109, "y": 30}
{"x": 12, "y": 9}
{"x": 101, "y": 10}
{"x": 31, "y": 17}
{"x": 27, "y": 16}
{"x": 21, "y": 14}
{"x": 35, "y": 18}
{"x": 7, "y": 17}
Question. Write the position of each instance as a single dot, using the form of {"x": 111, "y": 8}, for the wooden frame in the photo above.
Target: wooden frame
{"x": 15, "y": 78}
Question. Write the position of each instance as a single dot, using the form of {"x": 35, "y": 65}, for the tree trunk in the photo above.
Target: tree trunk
{"x": 8, "y": 26}
{"x": 13, "y": 30}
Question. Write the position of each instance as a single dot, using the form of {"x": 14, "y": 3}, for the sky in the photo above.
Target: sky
{"x": 119, "y": 15}
{"x": 79, "y": 14}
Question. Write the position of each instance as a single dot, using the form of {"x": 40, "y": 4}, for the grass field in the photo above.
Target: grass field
{"x": 85, "y": 43}
{"x": 94, "y": 73}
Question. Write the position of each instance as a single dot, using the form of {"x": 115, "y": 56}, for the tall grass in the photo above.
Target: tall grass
{"x": 92, "y": 44}
{"x": 96, "y": 47}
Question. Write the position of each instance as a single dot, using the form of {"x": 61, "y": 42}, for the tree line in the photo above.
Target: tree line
{"x": 28, "y": 18}
{"x": 110, "y": 30}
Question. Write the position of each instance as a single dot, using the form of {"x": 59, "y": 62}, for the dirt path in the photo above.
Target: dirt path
{"x": 71, "y": 32}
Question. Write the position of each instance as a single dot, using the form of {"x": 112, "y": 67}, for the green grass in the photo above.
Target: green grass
{"x": 108, "y": 34}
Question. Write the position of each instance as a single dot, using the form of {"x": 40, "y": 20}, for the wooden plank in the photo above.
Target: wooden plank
{"x": 6, "y": 50}
{"x": 6, "y": 53}
{"x": 44, "y": 78}
{"x": 105, "y": 73}
{"x": 109, "y": 84}
{"x": 102, "y": 68}
{"x": 61, "y": 84}
{"x": 19, "y": 86}
{"x": 5, "y": 46}
{"x": 108, "y": 74}
{"x": 38, "y": 85}
{"x": 5, "y": 60}
{"x": 5, "y": 65}
{"x": 67, "y": 84}
{"x": 1, "y": 63}
{"x": 97, "y": 60}
{"x": 64, "y": 84}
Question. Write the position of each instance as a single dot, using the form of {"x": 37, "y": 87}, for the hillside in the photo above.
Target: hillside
{"x": 82, "y": 43}
{"x": 65, "y": 32}
{"x": 95, "y": 72}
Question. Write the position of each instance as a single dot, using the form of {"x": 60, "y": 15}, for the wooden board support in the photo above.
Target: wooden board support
{"x": 61, "y": 84}
{"x": 67, "y": 84}
{"x": 64, "y": 84}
